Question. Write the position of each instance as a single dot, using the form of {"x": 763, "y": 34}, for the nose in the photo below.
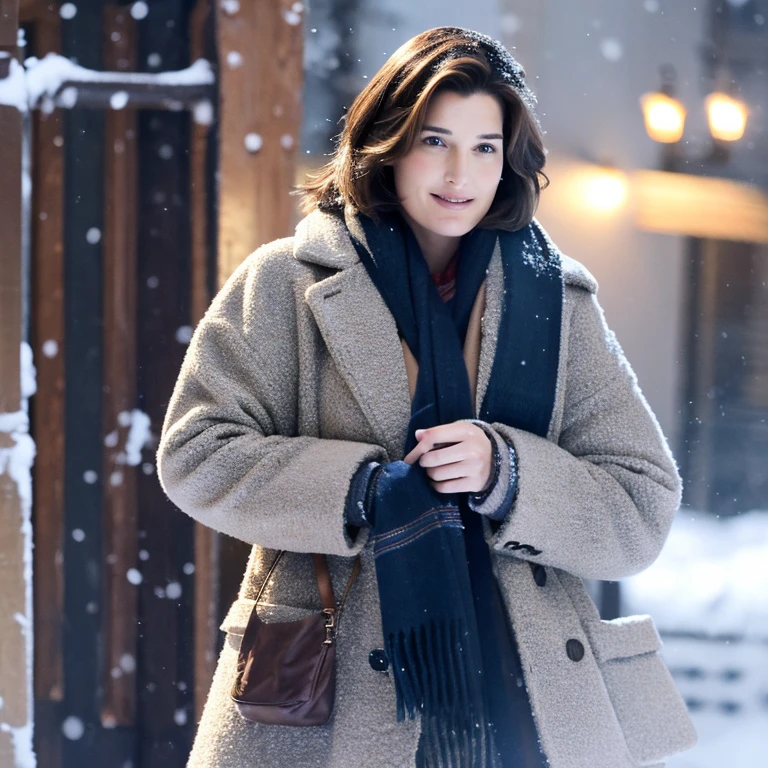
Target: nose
{"x": 456, "y": 169}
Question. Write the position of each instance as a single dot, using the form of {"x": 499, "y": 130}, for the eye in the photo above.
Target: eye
{"x": 429, "y": 138}
{"x": 489, "y": 149}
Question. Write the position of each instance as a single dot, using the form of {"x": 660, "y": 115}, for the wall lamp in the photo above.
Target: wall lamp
{"x": 664, "y": 117}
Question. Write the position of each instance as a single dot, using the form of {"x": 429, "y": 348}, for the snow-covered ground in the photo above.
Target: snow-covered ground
{"x": 711, "y": 580}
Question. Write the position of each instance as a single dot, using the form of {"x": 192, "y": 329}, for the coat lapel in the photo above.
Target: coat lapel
{"x": 361, "y": 336}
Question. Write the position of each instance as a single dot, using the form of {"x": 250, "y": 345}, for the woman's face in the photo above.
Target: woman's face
{"x": 457, "y": 157}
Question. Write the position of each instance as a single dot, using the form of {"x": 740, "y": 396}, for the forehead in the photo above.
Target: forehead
{"x": 451, "y": 110}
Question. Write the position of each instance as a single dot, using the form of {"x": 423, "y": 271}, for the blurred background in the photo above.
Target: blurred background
{"x": 146, "y": 148}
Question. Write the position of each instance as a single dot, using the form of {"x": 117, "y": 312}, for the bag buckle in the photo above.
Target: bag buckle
{"x": 330, "y": 625}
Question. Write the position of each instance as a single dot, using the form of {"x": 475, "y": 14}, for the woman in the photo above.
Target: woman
{"x": 421, "y": 378}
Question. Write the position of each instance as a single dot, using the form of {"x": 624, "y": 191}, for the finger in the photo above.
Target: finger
{"x": 415, "y": 453}
{"x": 447, "y": 453}
{"x": 426, "y": 443}
{"x": 459, "y": 485}
{"x": 460, "y": 470}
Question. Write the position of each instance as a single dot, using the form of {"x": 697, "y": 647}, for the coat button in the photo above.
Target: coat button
{"x": 540, "y": 575}
{"x": 378, "y": 660}
{"x": 574, "y": 649}
{"x": 532, "y": 550}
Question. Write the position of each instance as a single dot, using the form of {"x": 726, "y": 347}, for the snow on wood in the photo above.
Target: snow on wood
{"x": 42, "y": 82}
{"x": 17, "y": 453}
{"x": 13, "y": 91}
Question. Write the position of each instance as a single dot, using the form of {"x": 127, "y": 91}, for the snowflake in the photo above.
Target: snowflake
{"x": 540, "y": 252}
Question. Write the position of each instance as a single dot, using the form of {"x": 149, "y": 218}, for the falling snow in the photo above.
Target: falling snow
{"x": 202, "y": 112}
{"x": 68, "y": 97}
{"x": 611, "y": 49}
{"x": 139, "y": 10}
{"x": 68, "y": 11}
{"x": 184, "y": 334}
{"x": 510, "y": 24}
{"x": 118, "y": 99}
{"x": 73, "y": 728}
{"x": 253, "y": 142}
{"x": 234, "y": 59}
{"x": 230, "y": 7}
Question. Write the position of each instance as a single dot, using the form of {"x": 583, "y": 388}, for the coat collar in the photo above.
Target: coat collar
{"x": 360, "y": 331}
{"x": 322, "y": 238}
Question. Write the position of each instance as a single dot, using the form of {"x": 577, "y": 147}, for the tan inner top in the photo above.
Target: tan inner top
{"x": 471, "y": 348}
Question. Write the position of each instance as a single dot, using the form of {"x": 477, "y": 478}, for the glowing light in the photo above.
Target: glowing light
{"x": 727, "y": 116}
{"x": 603, "y": 190}
{"x": 664, "y": 117}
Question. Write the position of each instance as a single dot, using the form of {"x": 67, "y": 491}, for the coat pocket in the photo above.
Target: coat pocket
{"x": 649, "y": 708}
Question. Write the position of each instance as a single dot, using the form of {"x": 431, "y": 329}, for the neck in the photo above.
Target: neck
{"x": 438, "y": 250}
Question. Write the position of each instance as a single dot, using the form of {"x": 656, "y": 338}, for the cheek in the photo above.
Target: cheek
{"x": 491, "y": 175}
{"x": 411, "y": 174}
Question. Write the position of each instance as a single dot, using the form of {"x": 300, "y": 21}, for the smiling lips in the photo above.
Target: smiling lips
{"x": 452, "y": 202}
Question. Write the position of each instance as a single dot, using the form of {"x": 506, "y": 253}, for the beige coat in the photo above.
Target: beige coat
{"x": 296, "y": 375}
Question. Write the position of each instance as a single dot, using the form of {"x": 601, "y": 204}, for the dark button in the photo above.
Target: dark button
{"x": 532, "y": 550}
{"x": 517, "y": 545}
{"x": 378, "y": 660}
{"x": 539, "y": 574}
{"x": 574, "y": 649}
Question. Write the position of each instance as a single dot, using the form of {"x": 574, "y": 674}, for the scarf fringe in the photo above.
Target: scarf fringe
{"x": 429, "y": 667}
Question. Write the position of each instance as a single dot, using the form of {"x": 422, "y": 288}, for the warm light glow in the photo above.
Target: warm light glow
{"x": 603, "y": 190}
{"x": 664, "y": 117}
{"x": 727, "y": 116}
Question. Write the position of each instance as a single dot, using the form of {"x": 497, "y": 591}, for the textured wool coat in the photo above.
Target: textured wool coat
{"x": 295, "y": 375}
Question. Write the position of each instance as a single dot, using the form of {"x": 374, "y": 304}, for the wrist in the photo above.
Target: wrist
{"x": 493, "y": 474}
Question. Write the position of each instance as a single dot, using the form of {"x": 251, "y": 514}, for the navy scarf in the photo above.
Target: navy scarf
{"x": 452, "y": 650}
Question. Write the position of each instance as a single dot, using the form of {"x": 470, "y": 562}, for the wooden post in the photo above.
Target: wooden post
{"x": 207, "y": 541}
{"x": 16, "y": 448}
{"x": 260, "y": 80}
{"x": 47, "y": 340}
{"x": 120, "y": 534}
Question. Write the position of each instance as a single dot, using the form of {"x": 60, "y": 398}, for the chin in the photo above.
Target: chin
{"x": 455, "y": 228}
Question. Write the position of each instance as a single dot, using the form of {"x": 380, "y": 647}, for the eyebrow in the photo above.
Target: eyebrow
{"x": 437, "y": 129}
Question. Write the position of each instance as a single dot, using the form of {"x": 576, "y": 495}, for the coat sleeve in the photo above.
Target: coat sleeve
{"x": 600, "y": 502}
{"x": 230, "y": 455}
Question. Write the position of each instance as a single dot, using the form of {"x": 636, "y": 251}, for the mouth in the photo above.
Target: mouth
{"x": 456, "y": 203}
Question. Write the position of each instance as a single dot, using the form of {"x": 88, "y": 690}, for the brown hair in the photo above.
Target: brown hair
{"x": 386, "y": 118}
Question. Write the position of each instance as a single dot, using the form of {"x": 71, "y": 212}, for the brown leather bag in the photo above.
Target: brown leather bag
{"x": 285, "y": 670}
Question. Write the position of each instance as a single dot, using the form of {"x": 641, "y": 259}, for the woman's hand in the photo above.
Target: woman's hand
{"x": 457, "y": 457}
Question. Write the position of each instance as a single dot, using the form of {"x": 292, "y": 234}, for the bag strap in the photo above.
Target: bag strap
{"x": 324, "y": 583}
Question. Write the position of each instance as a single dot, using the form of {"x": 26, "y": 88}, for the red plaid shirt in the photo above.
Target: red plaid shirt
{"x": 446, "y": 280}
